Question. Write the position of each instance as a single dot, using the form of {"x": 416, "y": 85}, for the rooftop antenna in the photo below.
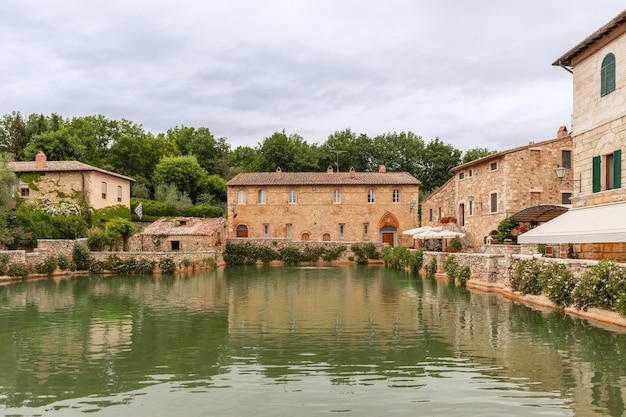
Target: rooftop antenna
{"x": 337, "y": 151}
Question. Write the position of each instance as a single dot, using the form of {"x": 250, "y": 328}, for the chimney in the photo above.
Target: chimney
{"x": 562, "y": 132}
{"x": 329, "y": 170}
{"x": 40, "y": 160}
{"x": 352, "y": 173}
{"x": 382, "y": 168}
{"x": 279, "y": 173}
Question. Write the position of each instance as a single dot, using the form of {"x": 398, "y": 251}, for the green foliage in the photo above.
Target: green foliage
{"x": 601, "y": 287}
{"x": 99, "y": 241}
{"x": 431, "y": 268}
{"x": 475, "y": 153}
{"x": 47, "y": 266}
{"x": 366, "y": 251}
{"x": 526, "y": 277}
{"x": 557, "y": 283}
{"x": 64, "y": 263}
{"x": 456, "y": 243}
{"x": 333, "y": 254}
{"x": 397, "y": 257}
{"x": 167, "y": 266}
{"x": 139, "y": 190}
{"x": 505, "y": 228}
{"x": 456, "y": 273}
{"x": 103, "y": 215}
{"x": 183, "y": 171}
{"x": 290, "y": 255}
{"x": 119, "y": 227}
{"x": 18, "y": 269}
{"x": 203, "y": 210}
{"x": 416, "y": 259}
{"x": 80, "y": 256}
{"x": 4, "y": 263}
{"x": 169, "y": 193}
{"x": 96, "y": 266}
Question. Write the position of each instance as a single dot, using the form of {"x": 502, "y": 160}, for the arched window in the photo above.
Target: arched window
{"x": 241, "y": 197}
{"x": 104, "y": 190}
{"x": 607, "y": 74}
{"x": 261, "y": 197}
{"x": 242, "y": 231}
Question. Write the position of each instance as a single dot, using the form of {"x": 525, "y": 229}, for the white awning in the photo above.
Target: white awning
{"x": 597, "y": 224}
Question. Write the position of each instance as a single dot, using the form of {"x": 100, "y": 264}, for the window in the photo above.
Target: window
{"x": 371, "y": 196}
{"x": 292, "y": 197}
{"x": 493, "y": 203}
{"x": 470, "y": 173}
{"x": 461, "y": 175}
{"x": 606, "y": 171}
{"x": 175, "y": 245}
{"x": 337, "y": 196}
{"x": 430, "y": 215}
{"x": 24, "y": 191}
{"x": 182, "y": 223}
{"x": 566, "y": 159}
{"x": 565, "y": 198}
{"x": 366, "y": 231}
{"x": 241, "y": 197}
{"x": 342, "y": 229}
{"x": 493, "y": 166}
{"x": 119, "y": 193}
{"x": 288, "y": 231}
{"x": 470, "y": 208}
{"x": 439, "y": 214}
{"x": 266, "y": 231}
{"x": 104, "y": 190}
{"x": 396, "y": 196}
{"x": 261, "y": 197}
{"x": 607, "y": 75}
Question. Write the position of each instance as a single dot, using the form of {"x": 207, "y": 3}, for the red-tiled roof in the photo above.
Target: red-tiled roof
{"x": 61, "y": 166}
{"x": 595, "y": 37}
{"x": 323, "y": 178}
{"x": 184, "y": 226}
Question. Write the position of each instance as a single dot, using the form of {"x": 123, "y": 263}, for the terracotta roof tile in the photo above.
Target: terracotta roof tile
{"x": 61, "y": 166}
{"x": 323, "y": 178}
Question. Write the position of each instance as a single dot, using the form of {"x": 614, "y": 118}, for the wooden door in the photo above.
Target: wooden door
{"x": 388, "y": 238}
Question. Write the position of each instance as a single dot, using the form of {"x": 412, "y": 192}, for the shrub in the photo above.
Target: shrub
{"x": 463, "y": 274}
{"x": 449, "y": 266}
{"x": 96, "y": 266}
{"x": 416, "y": 259}
{"x": 333, "y": 254}
{"x": 526, "y": 277}
{"x": 456, "y": 243}
{"x": 144, "y": 267}
{"x": 597, "y": 286}
{"x": 80, "y": 256}
{"x": 558, "y": 283}
{"x": 240, "y": 254}
{"x": 4, "y": 263}
{"x": 431, "y": 268}
{"x": 167, "y": 266}
{"x": 290, "y": 255}
{"x": 18, "y": 269}
{"x": 99, "y": 241}
{"x": 64, "y": 263}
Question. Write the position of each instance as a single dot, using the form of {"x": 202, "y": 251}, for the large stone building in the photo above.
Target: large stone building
{"x": 323, "y": 206}
{"x": 596, "y": 226}
{"x": 71, "y": 181}
{"x": 519, "y": 183}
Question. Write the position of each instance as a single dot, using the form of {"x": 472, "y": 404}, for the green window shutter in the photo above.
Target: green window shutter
{"x": 595, "y": 174}
{"x": 607, "y": 75}
{"x": 617, "y": 169}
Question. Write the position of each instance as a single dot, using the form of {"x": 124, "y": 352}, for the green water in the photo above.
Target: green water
{"x": 305, "y": 341}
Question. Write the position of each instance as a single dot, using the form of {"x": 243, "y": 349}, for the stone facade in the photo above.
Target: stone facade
{"x": 188, "y": 234}
{"x": 332, "y": 206}
{"x": 485, "y": 191}
{"x": 71, "y": 181}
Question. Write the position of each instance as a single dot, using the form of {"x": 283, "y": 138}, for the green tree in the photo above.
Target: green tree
{"x": 183, "y": 171}
{"x": 211, "y": 153}
{"x": 289, "y": 152}
{"x": 436, "y": 164}
{"x": 399, "y": 152}
{"x": 58, "y": 145}
{"x": 474, "y": 154}
{"x": 13, "y": 138}
{"x": 120, "y": 228}
{"x": 242, "y": 159}
{"x": 8, "y": 179}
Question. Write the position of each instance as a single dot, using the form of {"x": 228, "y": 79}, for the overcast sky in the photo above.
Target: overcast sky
{"x": 473, "y": 73}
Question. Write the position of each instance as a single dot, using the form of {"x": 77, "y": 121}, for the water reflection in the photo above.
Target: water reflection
{"x": 263, "y": 340}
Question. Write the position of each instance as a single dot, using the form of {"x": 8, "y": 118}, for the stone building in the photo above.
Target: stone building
{"x": 596, "y": 226}
{"x": 519, "y": 183}
{"x": 323, "y": 206}
{"x": 71, "y": 181}
{"x": 187, "y": 234}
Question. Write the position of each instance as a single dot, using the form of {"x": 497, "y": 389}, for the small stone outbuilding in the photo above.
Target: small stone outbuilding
{"x": 187, "y": 234}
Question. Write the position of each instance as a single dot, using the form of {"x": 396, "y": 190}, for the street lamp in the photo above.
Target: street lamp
{"x": 560, "y": 174}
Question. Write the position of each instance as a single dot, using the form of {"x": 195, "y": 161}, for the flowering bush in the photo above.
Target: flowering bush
{"x": 601, "y": 287}
{"x": 526, "y": 277}
{"x": 447, "y": 219}
{"x": 62, "y": 208}
{"x": 520, "y": 228}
